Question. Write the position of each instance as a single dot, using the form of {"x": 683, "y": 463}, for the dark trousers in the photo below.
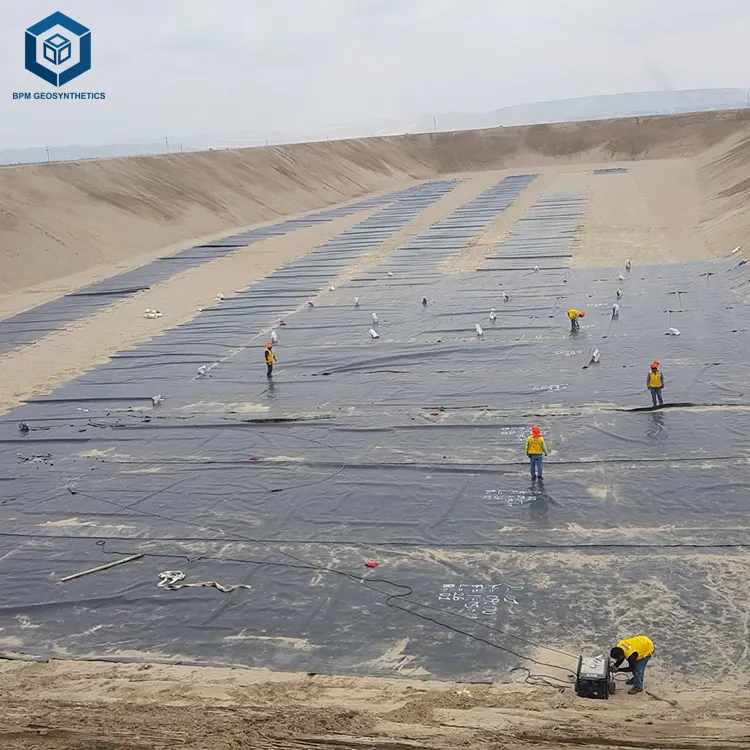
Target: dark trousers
{"x": 269, "y": 365}
{"x": 656, "y": 395}
{"x": 574, "y": 325}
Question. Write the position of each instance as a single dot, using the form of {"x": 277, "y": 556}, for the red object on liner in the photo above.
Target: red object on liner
{"x": 255, "y": 458}
{"x": 372, "y": 564}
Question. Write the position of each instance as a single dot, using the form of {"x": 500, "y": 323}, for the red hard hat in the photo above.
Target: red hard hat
{"x": 654, "y": 365}
{"x": 536, "y": 430}
{"x": 581, "y": 313}
{"x": 269, "y": 345}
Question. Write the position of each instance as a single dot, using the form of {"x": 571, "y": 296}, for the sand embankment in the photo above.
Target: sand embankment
{"x": 64, "y": 224}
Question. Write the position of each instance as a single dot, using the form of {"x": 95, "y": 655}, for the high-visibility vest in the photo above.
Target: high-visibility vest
{"x": 572, "y": 314}
{"x": 535, "y": 445}
{"x": 640, "y": 644}
{"x": 654, "y": 379}
{"x": 269, "y": 356}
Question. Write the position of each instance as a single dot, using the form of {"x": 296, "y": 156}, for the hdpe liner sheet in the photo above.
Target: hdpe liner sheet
{"x": 406, "y": 450}
{"x": 26, "y": 327}
{"x": 612, "y": 170}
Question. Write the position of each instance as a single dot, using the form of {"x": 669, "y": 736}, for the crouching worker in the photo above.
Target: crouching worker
{"x": 573, "y": 316}
{"x": 636, "y": 652}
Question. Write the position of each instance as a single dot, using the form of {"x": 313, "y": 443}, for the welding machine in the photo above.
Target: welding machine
{"x": 593, "y": 678}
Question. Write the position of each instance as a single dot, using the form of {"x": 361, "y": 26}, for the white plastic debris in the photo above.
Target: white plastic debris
{"x": 736, "y": 249}
{"x": 493, "y": 317}
{"x": 157, "y": 399}
{"x": 219, "y": 297}
{"x": 356, "y": 302}
{"x": 620, "y": 277}
{"x": 202, "y": 370}
{"x": 595, "y": 355}
{"x": 332, "y": 288}
{"x": 274, "y": 337}
{"x": 619, "y": 293}
{"x": 615, "y": 310}
{"x": 149, "y": 313}
{"x": 480, "y": 332}
{"x": 505, "y": 297}
{"x": 673, "y": 332}
{"x": 536, "y": 268}
{"x": 375, "y": 318}
{"x": 310, "y": 303}
{"x": 390, "y": 273}
{"x": 374, "y": 333}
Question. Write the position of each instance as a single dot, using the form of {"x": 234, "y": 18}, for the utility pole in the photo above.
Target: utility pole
{"x": 166, "y": 140}
{"x": 181, "y": 151}
{"x": 48, "y": 159}
{"x": 434, "y": 124}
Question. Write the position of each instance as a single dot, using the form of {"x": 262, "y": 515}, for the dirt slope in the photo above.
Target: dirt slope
{"x": 81, "y": 706}
{"x": 58, "y": 220}
{"x": 725, "y": 178}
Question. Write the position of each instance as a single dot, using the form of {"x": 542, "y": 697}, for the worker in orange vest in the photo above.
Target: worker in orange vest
{"x": 535, "y": 449}
{"x": 270, "y": 359}
{"x": 637, "y": 651}
{"x": 655, "y": 383}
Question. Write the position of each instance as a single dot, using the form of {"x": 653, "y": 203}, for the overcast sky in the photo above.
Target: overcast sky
{"x": 193, "y": 67}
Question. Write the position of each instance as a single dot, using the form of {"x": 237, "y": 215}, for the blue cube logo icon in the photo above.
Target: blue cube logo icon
{"x": 58, "y": 49}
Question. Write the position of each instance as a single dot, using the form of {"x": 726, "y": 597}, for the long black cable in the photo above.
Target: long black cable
{"x": 306, "y": 565}
{"x": 366, "y": 582}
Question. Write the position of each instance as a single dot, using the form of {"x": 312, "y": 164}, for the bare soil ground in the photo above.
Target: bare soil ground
{"x": 82, "y": 706}
{"x": 650, "y": 215}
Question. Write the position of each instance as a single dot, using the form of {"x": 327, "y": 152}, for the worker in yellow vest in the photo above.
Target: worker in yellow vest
{"x": 655, "y": 383}
{"x": 270, "y": 359}
{"x": 535, "y": 449}
{"x": 637, "y": 651}
{"x": 573, "y": 316}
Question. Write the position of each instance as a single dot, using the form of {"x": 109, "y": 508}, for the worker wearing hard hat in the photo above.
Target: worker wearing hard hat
{"x": 636, "y": 651}
{"x": 535, "y": 449}
{"x": 573, "y": 315}
{"x": 655, "y": 383}
{"x": 270, "y": 359}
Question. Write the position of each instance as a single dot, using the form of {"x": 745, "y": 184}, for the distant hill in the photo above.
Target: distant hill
{"x": 606, "y": 106}
{"x": 603, "y": 107}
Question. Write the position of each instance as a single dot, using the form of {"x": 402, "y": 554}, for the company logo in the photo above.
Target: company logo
{"x": 58, "y": 49}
